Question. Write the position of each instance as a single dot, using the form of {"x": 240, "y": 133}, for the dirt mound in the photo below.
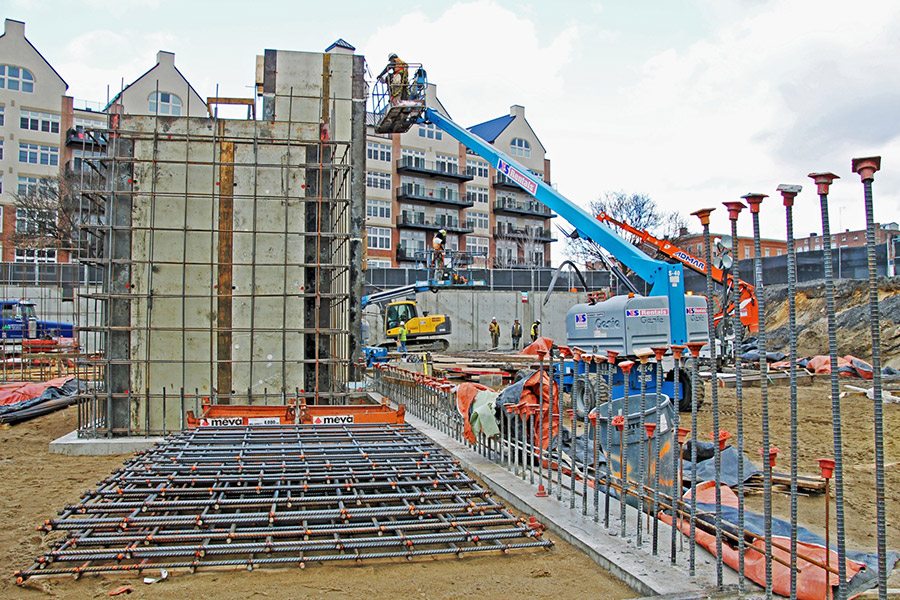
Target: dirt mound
{"x": 852, "y": 306}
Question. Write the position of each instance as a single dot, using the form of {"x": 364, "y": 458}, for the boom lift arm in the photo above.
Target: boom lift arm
{"x": 665, "y": 278}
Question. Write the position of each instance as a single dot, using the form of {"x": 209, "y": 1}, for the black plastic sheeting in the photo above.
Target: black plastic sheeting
{"x": 25, "y": 409}
{"x": 706, "y": 464}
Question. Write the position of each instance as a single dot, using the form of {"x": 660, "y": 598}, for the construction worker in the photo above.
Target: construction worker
{"x": 396, "y": 75}
{"x": 401, "y": 338}
{"x": 437, "y": 244}
{"x": 516, "y": 334}
{"x": 494, "y": 328}
{"x": 535, "y": 330}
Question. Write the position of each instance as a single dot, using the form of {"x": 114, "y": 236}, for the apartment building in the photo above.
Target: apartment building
{"x": 43, "y": 140}
{"x": 33, "y": 121}
{"x": 422, "y": 181}
{"x": 884, "y": 233}
{"x": 693, "y": 244}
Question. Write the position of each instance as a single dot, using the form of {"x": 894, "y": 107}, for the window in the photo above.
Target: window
{"x": 430, "y": 132}
{"x": 767, "y": 252}
{"x": 477, "y": 245}
{"x": 89, "y": 124}
{"x": 447, "y": 164}
{"x": 379, "y": 238}
{"x": 35, "y": 185}
{"x": 376, "y": 151}
{"x": 378, "y": 209}
{"x": 16, "y": 78}
{"x": 779, "y": 252}
{"x": 378, "y": 181}
{"x": 1, "y": 149}
{"x": 2, "y": 116}
{"x": 29, "y": 220}
{"x": 35, "y": 154}
{"x": 507, "y": 252}
{"x": 1, "y": 208}
{"x": 520, "y": 147}
{"x": 165, "y": 103}
{"x": 476, "y": 194}
{"x": 476, "y": 168}
{"x": 412, "y": 241}
{"x": 35, "y": 255}
{"x": 378, "y": 264}
{"x": 38, "y": 121}
{"x": 475, "y": 219}
{"x": 82, "y": 158}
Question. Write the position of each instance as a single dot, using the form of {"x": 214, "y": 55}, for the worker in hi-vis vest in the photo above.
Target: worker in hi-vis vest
{"x": 535, "y": 330}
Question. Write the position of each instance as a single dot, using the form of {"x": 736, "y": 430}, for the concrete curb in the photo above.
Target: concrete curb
{"x": 646, "y": 574}
{"x": 72, "y": 445}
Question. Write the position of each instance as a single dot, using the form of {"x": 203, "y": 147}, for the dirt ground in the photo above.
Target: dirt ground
{"x": 815, "y": 441}
{"x": 35, "y": 484}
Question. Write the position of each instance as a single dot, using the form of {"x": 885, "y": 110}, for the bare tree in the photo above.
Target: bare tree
{"x": 638, "y": 210}
{"x": 50, "y": 214}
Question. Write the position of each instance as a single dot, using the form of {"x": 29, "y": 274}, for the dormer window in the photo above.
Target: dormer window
{"x": 520, "y": 147}
{"x": 16, "y": 79}
{"x": 166, "y": 103}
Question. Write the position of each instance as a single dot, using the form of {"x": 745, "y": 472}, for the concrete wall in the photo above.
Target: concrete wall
{"x": 472, "y": 311}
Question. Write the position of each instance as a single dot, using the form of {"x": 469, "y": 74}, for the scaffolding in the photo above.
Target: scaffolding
{"x": 228, "y": 250}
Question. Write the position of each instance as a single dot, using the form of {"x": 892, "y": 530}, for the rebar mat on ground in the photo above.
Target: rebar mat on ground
{"x": 294, "y": 495}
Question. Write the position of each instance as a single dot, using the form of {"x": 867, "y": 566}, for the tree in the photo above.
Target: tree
{"x": 638, "y": 210}
{"x": 50, "y": 214}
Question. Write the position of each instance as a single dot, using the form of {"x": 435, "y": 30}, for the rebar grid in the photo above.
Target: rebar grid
{"x": 247, "y": 496}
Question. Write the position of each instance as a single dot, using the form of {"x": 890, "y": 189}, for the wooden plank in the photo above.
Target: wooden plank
{"x": 225, "y": 267}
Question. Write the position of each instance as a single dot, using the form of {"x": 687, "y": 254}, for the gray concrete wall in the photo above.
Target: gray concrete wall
{"x": 471, "y": 312}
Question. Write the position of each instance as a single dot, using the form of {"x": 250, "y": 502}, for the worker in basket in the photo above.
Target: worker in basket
{"x": 396, "y": 76}
{"x": 437, "y": 245}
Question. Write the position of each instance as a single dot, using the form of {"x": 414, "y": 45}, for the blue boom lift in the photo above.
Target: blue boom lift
{"x": 626, "y": 324}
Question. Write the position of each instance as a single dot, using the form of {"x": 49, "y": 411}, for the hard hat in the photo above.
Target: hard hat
{"x": 517, "y": 320}
{"x": 494, "y": 319}
{"x": 392, "y": 56}
{"x": 444, "y": 231}
{"x": 538, "y": 321}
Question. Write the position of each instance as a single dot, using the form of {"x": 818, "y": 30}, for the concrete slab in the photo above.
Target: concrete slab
{"x": 72, "y": 445}
{"x": 646, "y": 574}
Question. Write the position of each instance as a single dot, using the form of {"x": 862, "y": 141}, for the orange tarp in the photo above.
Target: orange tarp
{"x": 465, "y": 396}
{"x": 10, "y": 393}
{"x": 811, "y": 580}
{"x": 541, "y": 343}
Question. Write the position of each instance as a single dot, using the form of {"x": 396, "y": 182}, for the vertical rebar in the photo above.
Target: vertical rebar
{"x": 677, "y": 483}
{"x": 694, "y": 348}
{"x": 754, "y": 200}
{"x": 866, "y": 168}
{"x": 659, "y": 352}
{"x": 610, "y": 370}
{"x": 623, "y": 451}
{"x": 734, "y": 209}
{"x": 788, "y": 193}
{"x": 823, "y": 182}
{"x": 643, "y": 356}
{"x": 703, "y": 215}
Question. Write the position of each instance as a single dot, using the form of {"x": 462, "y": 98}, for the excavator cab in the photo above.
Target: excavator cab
{"x": 400, "y": 99}
{"x": 424, "y": 327}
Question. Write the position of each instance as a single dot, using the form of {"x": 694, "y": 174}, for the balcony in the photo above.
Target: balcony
{"x": 418, "y": 220}
{"x": 413, "y": 192}
{"x": 414, "y": 165}
{"x": 531, "y": 234}
{"x": 503, "y": 182}
{"x": 81, "y": 139}
{"x": 523, "y": 207}
{"x": 409, "y": 254}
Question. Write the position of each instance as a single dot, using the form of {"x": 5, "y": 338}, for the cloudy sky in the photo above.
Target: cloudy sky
{"x": 694, "y": 102}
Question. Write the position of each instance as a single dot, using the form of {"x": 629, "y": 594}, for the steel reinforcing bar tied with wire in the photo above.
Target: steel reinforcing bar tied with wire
{"x": 283, "y": 495}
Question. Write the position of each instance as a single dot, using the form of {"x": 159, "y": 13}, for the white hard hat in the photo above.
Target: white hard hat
{"x": 392, "y": 56}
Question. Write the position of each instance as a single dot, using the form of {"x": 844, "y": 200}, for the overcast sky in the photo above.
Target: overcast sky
{"x": 694, "y": 102}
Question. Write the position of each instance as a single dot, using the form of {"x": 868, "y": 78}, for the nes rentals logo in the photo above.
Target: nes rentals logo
{"x": 691, "y": 260}
{"x": 517, "y": 176}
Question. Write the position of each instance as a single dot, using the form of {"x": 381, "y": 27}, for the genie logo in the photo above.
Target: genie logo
{"x": 687, "y": 258}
